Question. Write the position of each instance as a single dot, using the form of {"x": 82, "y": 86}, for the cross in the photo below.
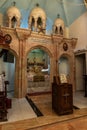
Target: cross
{"x": 37, "y": 5}
{"x": 14, "y": 3}
{"x": 41, "y": 29}
{"x": 58, "y": 15}
{"x": 66, "y": 96}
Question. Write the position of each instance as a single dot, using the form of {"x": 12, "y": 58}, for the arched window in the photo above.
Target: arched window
{"x": 61, "y": 30}
{"x": 13, "y": 21}
{"x": 39, "y": 21}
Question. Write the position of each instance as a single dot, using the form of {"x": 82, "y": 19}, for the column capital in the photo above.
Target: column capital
{"x": 22, "y": 34}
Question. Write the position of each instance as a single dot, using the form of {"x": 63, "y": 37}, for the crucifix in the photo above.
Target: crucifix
{"x": 14, "y": 3}
{"x": 41, "y": 29}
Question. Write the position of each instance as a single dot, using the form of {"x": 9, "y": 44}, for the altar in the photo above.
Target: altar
{"x": 38, "y": 87}
{"x": 38, "y": 82}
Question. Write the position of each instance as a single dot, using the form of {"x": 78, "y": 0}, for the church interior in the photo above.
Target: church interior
{"x": 43, "y": 64}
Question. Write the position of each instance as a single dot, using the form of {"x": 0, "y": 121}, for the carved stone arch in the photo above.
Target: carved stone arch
{"x": 16, "y": 85}
{"x": 65, "y": 55}
{"x": 71, "y": 66}
{"x": 40, "y": 47}
{"x": 51, "y": 56}
{"x": 68, "y": 56}
{"x": 13, "y": 12}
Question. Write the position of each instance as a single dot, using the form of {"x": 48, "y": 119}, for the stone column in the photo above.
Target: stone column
{"x": 55, "y": 57}
{"x": 22, "y": 88}
{"x": 35, "y": 26}
{"x": 44, "y": 24}
{"x": 20, "y": 67}
{"x": 29, "y": 23}
{"x": 9, "y": 22}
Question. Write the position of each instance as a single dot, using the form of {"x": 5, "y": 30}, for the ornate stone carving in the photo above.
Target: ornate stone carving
{"x": 58, "y": 27}
{"x": 37, "y": 19}
{"x": 5, "y": 39}
{"x": 65, "y": 46}
{"x": 14, "y": 17}
{"x": 22, "y": 34}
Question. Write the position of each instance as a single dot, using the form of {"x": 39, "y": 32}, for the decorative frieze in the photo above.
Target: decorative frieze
{"x": 40, "y": 40}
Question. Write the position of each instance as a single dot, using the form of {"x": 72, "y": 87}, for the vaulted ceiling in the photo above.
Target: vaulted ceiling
{"x": 69, "y": 10}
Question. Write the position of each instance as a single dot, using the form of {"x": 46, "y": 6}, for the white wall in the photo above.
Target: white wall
{"x": 9, "y": 69}
{"x": 64, "y": 67}
{"x": 78, "y": 29}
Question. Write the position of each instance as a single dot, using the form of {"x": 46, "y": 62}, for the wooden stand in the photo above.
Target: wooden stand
{"x": 62, "y": 99}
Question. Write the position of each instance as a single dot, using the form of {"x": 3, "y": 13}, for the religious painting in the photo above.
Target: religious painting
{"x": 63, "y": 78}
{"x": 65, "y": 46}
{"x": 8, "y": 38}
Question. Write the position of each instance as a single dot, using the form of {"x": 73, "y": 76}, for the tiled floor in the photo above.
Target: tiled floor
{"x": 20, "y": 110}
{"x": 50, "y": 121}
{"x": 79, "y": 99}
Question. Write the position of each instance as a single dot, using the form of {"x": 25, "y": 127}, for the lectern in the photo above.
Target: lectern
{"x": 62, "y": 97}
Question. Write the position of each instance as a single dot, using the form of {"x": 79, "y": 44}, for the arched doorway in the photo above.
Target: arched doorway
{"x": 7, "y": 64}
{"x": 38, "y": 71}
{"x": 80, "y": 63}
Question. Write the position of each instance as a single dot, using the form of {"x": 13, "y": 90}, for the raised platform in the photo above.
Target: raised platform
{"x": 50, "y": 121}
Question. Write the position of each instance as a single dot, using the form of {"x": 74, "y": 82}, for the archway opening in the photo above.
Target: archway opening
{"x": 38, "y": 71}
{"x": 80, "y": 61}
{"x": 39, "y": 21}
{"x": 7, "y": 64}
{"x": 13, "y": 22}
{"x": 64, "y": 67}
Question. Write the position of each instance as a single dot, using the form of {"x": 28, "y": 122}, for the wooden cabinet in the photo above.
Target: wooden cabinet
{"x": 62, "y": 98}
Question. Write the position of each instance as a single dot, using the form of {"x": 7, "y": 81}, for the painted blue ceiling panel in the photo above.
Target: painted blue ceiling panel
{"x": 69, "y": 10}
{"x": 73, "y": 9}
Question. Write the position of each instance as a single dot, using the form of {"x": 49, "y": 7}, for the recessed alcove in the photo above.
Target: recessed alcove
{"x": 38, "y": 71}
{"x": 7, "y": 64}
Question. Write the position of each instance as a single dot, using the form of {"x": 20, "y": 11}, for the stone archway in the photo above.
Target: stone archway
{"x": 71, "y": 70}
{"x": 45, "y": 74}
{"x": 16, "y": 89}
